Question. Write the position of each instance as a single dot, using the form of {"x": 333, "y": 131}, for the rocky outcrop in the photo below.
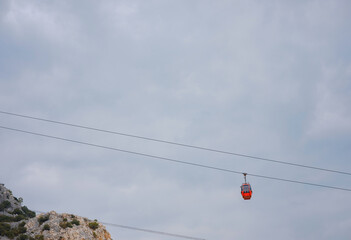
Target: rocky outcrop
{"x": 54, "y": 226}
{"x": 8, "y": 203}
{"x": 17, "y": 222}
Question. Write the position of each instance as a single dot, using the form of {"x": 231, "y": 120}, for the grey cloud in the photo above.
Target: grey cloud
{"x": 263, "y": 79}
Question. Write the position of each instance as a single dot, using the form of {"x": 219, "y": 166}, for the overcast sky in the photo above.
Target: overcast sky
{"x": 264, "y": 78}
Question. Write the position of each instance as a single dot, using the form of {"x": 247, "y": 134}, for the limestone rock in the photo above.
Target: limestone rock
{"x": 65, "y": 227}
{"x": 17, "y": 222}
{"x": 6, "y": 196}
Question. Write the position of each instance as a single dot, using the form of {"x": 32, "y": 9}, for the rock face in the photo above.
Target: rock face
{"x": 53, "y": 226}
{"x": 17, "y": 222}
{"x": 7, "y": 199}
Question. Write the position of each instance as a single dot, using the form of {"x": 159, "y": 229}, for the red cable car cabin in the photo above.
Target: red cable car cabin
{"x": 246, "y": 191}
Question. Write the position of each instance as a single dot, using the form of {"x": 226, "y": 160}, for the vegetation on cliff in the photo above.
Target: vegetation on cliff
{"x": 20, "y": 223}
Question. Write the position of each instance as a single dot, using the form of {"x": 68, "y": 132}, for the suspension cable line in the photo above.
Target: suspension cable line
{"x": 180, "y": 144}
{"x": 173, "y": 160}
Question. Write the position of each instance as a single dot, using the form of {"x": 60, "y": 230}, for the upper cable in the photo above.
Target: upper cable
{"x": 180, "y": 144}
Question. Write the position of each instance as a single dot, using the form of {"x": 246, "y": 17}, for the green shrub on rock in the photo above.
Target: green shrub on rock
{"x": 93, "y": 225}
{"x": 17, "y": 211}
{"x": 4, "y": 205}
{"x": 28, "y": 212}
{"x": 4, "y": 228}
{"x": 46, "y": 227}
{"x": 65, "y": 225}
{"x": 8, "y": 231}
{"x": 39, "y": 237}
{"x": 22, "y": 237}
{"x": 75, "y": 222}
{"x": 21, "y": 228}
{"x": 4, "y": 218}
{"x": 19, "y": 218}
{"x": 43, "y": 219}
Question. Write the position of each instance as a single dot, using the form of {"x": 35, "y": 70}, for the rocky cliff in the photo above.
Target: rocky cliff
{"x": 18, "y": 222}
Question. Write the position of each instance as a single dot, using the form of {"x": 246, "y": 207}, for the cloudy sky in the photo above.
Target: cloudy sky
{"x": 270, "y": 79}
